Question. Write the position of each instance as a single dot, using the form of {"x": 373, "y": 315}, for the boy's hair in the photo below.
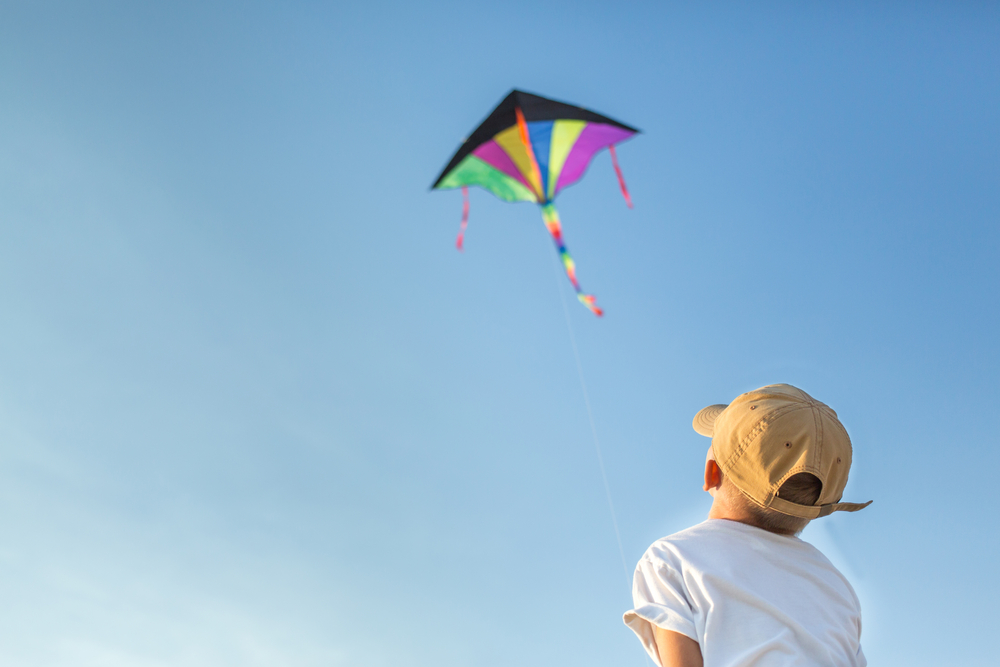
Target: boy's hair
{"x": 802, "y": 488}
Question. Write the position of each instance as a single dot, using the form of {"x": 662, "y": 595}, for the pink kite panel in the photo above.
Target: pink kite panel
{"x": 492, "y": 154}
{"x": 593, "y": 138}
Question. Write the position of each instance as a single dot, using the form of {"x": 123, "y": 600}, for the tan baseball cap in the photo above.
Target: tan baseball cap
{"x": 767, "y": 435}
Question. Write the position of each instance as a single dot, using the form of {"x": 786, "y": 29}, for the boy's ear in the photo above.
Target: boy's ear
{"x": 713, "y": 476}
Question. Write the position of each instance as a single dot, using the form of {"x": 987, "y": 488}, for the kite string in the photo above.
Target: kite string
{"x": 597, "y": 443}
{"x": 593, "y": 429}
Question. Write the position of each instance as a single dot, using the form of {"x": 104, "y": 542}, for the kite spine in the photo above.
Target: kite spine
{"x": 522, "y": 127}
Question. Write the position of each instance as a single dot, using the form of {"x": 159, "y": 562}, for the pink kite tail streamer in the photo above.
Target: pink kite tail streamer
{"x": 621, "y": 179}
{"x": 465, "y": 218}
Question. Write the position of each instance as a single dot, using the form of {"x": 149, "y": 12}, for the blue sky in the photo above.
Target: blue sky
{"x": 255, "y": 409}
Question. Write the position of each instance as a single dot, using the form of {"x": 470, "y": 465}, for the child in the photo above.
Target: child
{"x": 741, "y": 589}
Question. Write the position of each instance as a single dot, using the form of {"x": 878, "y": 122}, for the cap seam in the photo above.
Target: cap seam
{"x": 819, "y": 439}
{"x": 759, "y": 428}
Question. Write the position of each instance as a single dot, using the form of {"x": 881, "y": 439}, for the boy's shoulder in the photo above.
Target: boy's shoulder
{"x": 726, "y": 530}
{"x": 719, "y": 540}
{"x": 757, "y": 562}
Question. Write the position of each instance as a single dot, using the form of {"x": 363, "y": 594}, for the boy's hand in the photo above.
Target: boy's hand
{"x": 676, "y": 650}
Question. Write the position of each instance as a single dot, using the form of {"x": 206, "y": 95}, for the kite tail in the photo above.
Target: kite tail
{"x": 465, "y": 218}
{"x": 621, "y": 179}
{"x": 551, "y": 218}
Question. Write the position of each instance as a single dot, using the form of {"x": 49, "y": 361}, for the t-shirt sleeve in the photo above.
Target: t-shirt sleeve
{"x": 660, "y": 598}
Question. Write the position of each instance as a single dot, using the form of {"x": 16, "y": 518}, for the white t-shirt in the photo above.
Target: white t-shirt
{"x": 748, "y": 597}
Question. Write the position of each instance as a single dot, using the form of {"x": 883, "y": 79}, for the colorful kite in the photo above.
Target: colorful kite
{"x": 529, "y": 149}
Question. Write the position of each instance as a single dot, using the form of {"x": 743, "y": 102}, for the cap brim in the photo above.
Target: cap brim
{"x": 704, "y": 421}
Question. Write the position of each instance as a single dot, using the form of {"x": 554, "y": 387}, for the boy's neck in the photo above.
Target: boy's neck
{"x": 722, "y": 510}
{"x": 734, "y": 512}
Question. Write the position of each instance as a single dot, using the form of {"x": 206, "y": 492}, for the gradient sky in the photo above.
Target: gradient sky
{"x": 256, "y": 410}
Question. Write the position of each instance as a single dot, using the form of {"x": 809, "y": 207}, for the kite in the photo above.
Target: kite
{"x": 529, "y": 149}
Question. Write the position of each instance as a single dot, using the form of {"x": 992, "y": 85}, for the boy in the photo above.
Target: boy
{"x": 741, "y": 589}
